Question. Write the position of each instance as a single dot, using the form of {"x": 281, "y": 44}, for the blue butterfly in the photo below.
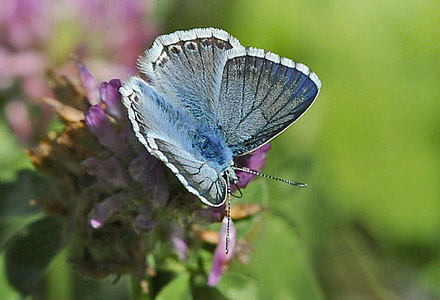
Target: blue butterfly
{"x": 206, "y": 99}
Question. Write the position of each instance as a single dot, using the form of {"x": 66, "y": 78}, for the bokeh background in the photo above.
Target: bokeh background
{"x": 368, "y": 227}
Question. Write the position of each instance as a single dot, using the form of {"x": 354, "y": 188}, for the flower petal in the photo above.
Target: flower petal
{"x": 89, "y": 83}
{"x": 103, "y": 210}
{"x": 110, "y": 95}
{"x": 254, "y": 161}
{"x": 109, "y": 170}
{"x": 100, "y": 126}
{"x": 141, "y": 167}
{"x": 213, "y": 214}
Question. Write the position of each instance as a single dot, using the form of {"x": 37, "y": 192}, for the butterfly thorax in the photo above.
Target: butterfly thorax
{"x": 212, "y": 149}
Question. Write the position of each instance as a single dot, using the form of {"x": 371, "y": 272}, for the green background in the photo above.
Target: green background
{"x": 368, "y": 226}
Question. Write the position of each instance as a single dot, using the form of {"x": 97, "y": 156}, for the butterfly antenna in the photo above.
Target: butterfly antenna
{"x": 228, "y": 214}
{"x": 247, "y": 170}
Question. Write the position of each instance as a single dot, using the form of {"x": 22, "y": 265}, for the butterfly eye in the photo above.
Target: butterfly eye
{"x": 190, "y": 45}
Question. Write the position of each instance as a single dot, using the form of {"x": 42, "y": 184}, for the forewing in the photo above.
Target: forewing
{"x": 152, "y": 130}
{"x": 261, "y": 95}
{"x": 186, "y": 68}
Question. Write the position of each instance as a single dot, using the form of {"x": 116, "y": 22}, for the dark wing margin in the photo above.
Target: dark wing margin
{"x": 261, "y": 95}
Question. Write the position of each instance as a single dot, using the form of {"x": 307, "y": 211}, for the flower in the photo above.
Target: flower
{"x": 99, "y": 124}
{"x": 25, "y": 23}
{"x": 107, "y": 34}
{"x": 105, "y": 209}
{"x": 254, "y": 161}
{"x": 118, "y": 202}
{"x": 109, "y": 92}
{"x": 89, "y": 84}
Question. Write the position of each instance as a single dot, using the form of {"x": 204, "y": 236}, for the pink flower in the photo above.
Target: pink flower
{"x": 254, "y": 161}
{"x": 24, "y": 23}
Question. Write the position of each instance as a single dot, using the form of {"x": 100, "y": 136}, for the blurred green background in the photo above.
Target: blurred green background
{"x": 368, "y": 226}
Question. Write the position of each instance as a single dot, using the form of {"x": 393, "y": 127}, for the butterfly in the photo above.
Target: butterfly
{"x": 207, "y": 99}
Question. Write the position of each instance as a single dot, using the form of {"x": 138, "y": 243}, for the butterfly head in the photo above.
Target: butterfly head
{"x": 230, "y": 175}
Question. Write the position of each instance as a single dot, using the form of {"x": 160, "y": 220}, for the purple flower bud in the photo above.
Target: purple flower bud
{"x": 89, "y": 83}
{"x": 97, "y": 121}
{"x": 108, "y": 170}
{"x": 103, "y": 210}
{"x": 221, "y": 258}
{"x": 254, "y": 161}
{"x": 110, "y": 95}
{"x": 99, "y": 125}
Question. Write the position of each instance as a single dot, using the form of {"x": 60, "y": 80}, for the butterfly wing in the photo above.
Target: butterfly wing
{"x": 197, "y": 176}
{"x": 156, "y": 124}
{"x": 261, "y": 95}
{"x": 248, "y": 94}
{"x": 186, "y": 68}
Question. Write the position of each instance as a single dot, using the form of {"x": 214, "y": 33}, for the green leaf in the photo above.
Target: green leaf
{"x": 12, "y": 156}
{"x": 14, "y": 225}
{"x": 206, "y": 292}
{"x": 30, "y": 253}
{"x": 15, "y": 196}
{"x": 238, "y": 286}
{"x": 7, "y": 293}
{"x": 279, "y": 262}
{"x": 255, "y": 192}
{"x": 178, "y": 289}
